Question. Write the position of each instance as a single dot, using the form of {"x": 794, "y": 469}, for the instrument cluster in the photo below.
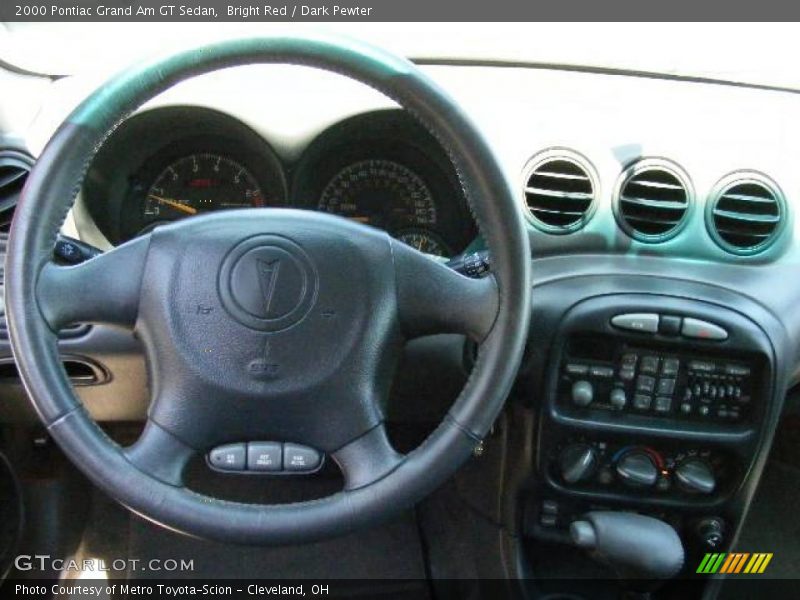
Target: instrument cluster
{"x": 381, "y": 169}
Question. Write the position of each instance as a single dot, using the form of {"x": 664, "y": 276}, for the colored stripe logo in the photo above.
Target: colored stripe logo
{"x": 732, "y": 563}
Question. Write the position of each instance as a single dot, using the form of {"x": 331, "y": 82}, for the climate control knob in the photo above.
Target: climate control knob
{"x": 637, "y": 468}
{"x": 695, "y": 475}
{"x": 582, "y": 393}
{"x": 577, "y": 462}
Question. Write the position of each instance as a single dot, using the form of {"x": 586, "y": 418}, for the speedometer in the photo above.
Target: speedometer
{"x": 381, "y": 193}
{"x": 424, "y": 241}
{"x": 200, "y": 183}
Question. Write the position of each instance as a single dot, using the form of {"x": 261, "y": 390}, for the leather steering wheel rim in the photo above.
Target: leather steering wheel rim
{"x": 41, "y": 297}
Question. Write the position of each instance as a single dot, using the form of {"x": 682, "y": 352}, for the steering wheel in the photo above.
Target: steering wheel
{"x": 267, "y": 324}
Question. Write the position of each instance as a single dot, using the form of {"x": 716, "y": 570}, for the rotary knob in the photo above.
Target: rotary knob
{"x": 617, "y": 398}
{"x": 577, "y": 462}
{"x": 696, "y": 476}
{"x": 637, "y": 469}
{"x": 582, "y": 393}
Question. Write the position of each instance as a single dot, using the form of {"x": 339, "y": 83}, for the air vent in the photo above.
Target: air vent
{"x": 560, "y": 189}
{"x": 745, "y": 213}
{"x": 653, "y": 200}
{"x": 14, "y": 169}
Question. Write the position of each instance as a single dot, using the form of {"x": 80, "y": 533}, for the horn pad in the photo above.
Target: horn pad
{"x": 268, "y": 283}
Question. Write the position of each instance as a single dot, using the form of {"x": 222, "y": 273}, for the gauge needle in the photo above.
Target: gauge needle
{"x": 360, "y": 219}
{"x": 175, "y": 204}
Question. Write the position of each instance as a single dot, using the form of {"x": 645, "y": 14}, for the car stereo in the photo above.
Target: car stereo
{"x": 598, "y": 373}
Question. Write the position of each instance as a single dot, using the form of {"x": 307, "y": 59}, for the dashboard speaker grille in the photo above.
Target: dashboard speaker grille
{"x": 746, "y": 212}
{"x": 559, "y": 193}
{"x": 653, "y": 200}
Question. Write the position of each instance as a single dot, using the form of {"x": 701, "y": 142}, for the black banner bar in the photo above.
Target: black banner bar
{"x": 396, "y": 10}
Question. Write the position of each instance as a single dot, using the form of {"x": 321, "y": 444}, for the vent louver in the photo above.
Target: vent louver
{"x": 745, "y": 213}
{"x": 14, "y": 169}
{"x": 653, "y": 200}
{"x": 560, "y": 191}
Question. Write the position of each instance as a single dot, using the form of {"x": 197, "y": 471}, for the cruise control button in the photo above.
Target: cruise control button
{"x": 644, "y": 322}
{"x": 264, "y": 456}
{"x": 300, "y": 458}
{"x": 695, "y": 328}
{"x": 230, "y": 457}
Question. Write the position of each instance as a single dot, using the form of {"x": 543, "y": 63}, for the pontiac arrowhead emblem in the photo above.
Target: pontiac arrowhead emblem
{"x": 250, "y": 289}
{"x": 268, "y": 276}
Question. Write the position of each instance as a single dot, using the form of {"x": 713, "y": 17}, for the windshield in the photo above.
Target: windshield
{"x": 702, "y": 50}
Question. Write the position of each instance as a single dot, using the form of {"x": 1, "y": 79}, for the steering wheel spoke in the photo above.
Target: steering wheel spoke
{"x": 367, "y": 458}
{"x": 433, "y": 298}
{"x": 160, "y": 454}
{"x": 104, "y": 289}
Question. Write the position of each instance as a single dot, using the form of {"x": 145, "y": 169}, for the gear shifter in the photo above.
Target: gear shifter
{"x": 637, "y": 547}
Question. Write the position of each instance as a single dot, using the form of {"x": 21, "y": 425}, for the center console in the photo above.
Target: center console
{"x": 651, "y": 404}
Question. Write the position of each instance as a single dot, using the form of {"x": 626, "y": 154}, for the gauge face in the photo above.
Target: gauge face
{"x": 200, "y": 183}
{"x": 381, "y": 193}
{"x": 424, "y": 241}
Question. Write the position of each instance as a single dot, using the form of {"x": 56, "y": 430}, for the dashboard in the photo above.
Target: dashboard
{"x": 665, "y": 250}
{"x": 380, "y": 168}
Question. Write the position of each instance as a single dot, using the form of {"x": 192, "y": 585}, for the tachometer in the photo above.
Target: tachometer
{"x": 381, "y": 193}
{"x": 201, "y": 183}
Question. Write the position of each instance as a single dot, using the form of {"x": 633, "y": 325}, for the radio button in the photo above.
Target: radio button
{"x": 702, "y": 366}
{"x": 642, "y": 322}
{"x": 649, "y": 365}
{"x": 641, "y": 402}
{"x": 737, "y": 370}
{"x": 666, "y": 387}
{"x": 670, "y": 366}
{"x": 695, "y": 328}
{"x": 663, "y": 404}
{"x": 644, "y": 383}
{"x": 576, "y": 369}
{"x": 604, "y": 372}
